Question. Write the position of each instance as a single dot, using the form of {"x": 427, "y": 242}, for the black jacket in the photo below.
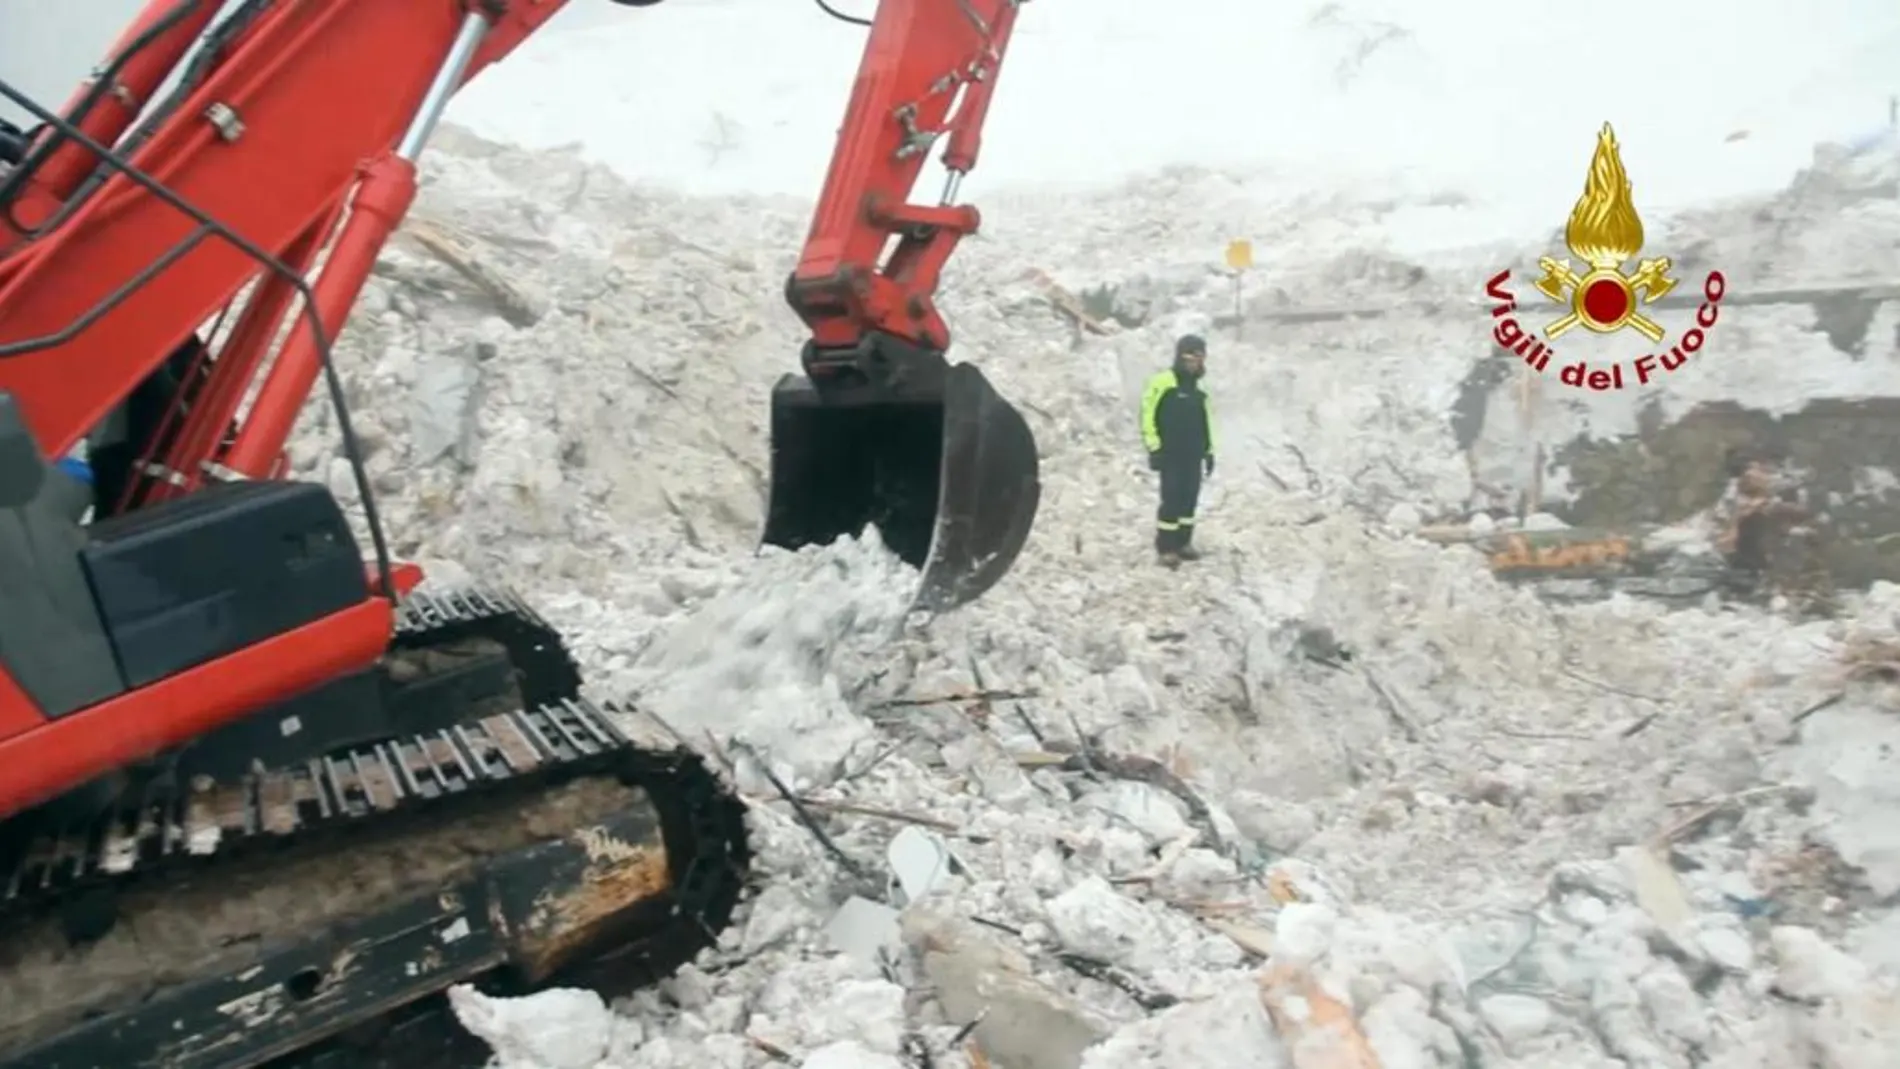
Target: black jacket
{"x": 1176, "y": 419}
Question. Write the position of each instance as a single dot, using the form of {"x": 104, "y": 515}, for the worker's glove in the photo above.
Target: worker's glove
{"x": 1154, "y": 460}
{"x": 1207, "y": 464}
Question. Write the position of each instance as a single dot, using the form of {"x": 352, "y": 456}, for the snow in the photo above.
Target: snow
{"x": 1558, "y": 835}
{"x": 1359, "y": 800}
{"x": 734, "y": 96}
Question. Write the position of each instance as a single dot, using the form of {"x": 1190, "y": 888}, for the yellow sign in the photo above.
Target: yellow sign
{"x": 1605, "y": 232}
{"x": 1239, "y": 254}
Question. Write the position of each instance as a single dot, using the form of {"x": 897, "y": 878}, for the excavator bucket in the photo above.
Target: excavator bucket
{"x": 947, "y": 474}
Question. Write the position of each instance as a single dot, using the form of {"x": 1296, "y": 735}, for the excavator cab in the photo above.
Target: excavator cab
{"x": 891, "y": 435}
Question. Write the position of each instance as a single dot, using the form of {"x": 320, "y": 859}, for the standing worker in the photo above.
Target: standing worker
{"x": 1177, "y": 426}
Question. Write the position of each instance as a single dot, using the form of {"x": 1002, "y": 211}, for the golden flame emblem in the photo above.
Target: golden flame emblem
{"x": 1604, "y": 229}
{"x": 1604, "y": 232}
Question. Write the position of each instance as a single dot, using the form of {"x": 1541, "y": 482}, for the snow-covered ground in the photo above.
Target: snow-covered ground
{"x": 1353, "y": 802}
{"x": 1501, "y": 833}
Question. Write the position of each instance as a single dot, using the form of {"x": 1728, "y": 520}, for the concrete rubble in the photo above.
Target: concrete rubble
{"x": 1366, "y": 804}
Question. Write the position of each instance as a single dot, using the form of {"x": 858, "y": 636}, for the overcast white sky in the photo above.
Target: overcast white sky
{"x": 724, "y": 95}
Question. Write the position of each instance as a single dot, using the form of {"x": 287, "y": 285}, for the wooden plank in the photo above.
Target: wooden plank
{"x": 462, "y": 256}
{"x": 1568, "y": 553}
{"x": 1067, "y": 303}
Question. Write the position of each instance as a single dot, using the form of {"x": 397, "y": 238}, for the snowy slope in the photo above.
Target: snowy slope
{"x": 45, "y": 49}
{"x": 1501, "y": 103}
{"x": 1543, "y": 838}
{"x": 1504, "y": 834}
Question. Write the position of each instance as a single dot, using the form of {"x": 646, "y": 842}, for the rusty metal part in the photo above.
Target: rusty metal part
{"x": 240, "y": 925}
{"x": 207, "y": 825}
{"x": 160, "y": 823}
{"x": 641, "y": 861}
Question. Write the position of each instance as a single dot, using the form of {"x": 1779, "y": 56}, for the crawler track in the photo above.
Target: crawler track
{"x": 307, "y": 908}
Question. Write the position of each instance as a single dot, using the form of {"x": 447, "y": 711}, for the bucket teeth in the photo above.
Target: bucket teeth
{"x": 949, "y": 477}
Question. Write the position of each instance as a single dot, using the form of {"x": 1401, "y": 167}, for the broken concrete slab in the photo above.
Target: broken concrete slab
{"x": 447, "y": 394}
{"x": 864, "y": 929}
{"x": 1022, "y": 1022}
{"x": 1231, "y": 1028}
{"x": 848, "y": 1055}
{"x": 920, "y": 863}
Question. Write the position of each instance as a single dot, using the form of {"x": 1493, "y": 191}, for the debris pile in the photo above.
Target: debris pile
{"x": 1336, "y": 797}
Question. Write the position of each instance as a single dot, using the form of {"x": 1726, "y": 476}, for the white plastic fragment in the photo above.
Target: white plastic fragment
{"x": 920, "y": 863}
{"x": 864, "y": 929}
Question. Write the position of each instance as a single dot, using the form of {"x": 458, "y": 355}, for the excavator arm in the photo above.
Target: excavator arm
{"x": 881, "y": 428}
{"x": 929, "y": 70}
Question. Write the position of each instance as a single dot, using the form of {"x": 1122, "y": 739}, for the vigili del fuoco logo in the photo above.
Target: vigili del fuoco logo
{"x": 1605, "y": 233}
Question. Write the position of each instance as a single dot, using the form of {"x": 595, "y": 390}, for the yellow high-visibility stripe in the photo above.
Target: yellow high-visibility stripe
{"x": 1158, "y": 386}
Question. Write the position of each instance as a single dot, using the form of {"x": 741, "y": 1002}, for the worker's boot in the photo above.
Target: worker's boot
{"x": 1186, "y": 550}
{"x": 1168, "y": 548}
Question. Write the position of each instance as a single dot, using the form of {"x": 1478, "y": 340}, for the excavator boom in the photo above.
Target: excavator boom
{"x": 298, "y": 112}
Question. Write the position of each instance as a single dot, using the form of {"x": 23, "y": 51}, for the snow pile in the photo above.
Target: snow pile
{"x": 1333, "y": 792}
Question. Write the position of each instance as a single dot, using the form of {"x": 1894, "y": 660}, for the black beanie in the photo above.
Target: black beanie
{"x": 1190, "y": 345}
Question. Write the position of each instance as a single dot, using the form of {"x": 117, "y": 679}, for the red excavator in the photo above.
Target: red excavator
{"x": 262, "y": 800}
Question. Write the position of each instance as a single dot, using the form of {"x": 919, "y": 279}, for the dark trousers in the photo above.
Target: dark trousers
{"x": 1180, "y": 492}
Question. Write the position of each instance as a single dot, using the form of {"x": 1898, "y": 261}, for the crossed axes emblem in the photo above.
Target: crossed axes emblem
{"x": 1564, "y": 286}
